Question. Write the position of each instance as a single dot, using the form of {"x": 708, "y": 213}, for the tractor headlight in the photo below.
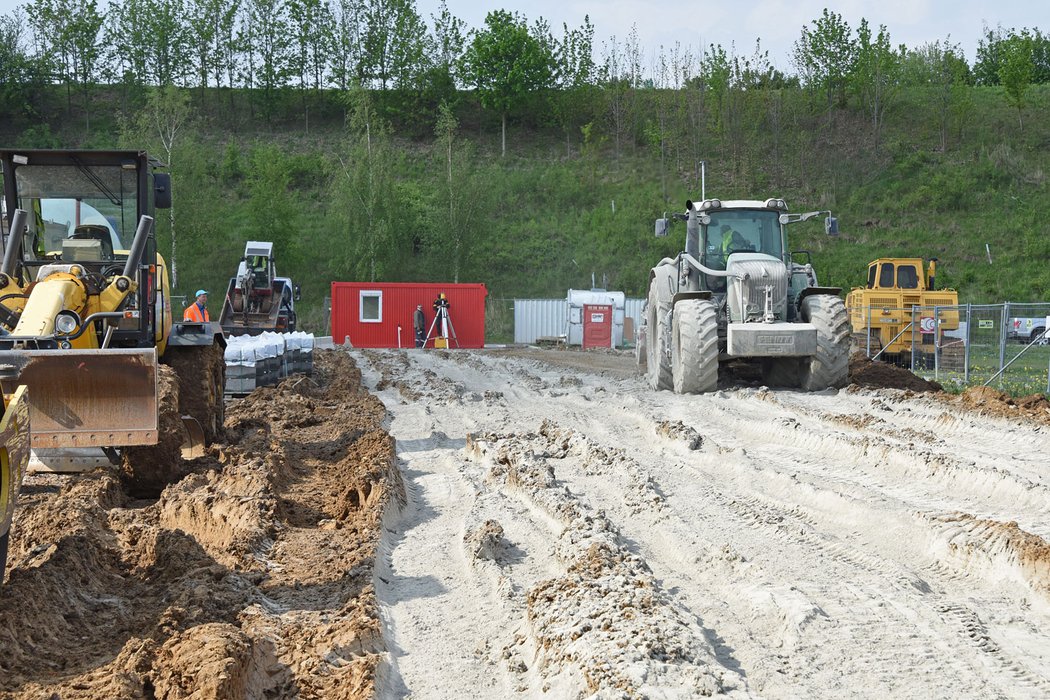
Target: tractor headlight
{"x": 67, "y": 322}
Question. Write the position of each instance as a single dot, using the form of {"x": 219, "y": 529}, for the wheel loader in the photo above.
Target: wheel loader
{"x": 85, "y": 316}
{"x": 736, "y": 296}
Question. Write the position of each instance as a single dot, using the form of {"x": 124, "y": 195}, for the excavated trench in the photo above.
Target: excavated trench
{"x": 250, "y": 576}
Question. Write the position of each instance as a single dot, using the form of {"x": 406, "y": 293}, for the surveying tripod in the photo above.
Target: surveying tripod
{"x": 442, "y": 324}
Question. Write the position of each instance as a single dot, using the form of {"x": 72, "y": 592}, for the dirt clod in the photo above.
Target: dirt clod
{"x": 883, "y": 375}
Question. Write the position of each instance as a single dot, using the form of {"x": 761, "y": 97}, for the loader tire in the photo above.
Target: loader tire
{"x": 829, "y": 367}
{"x": 147, "y": 470}
{"x": 658, "y": 364}
{"x": 694, "y": 352}
{"x": 201, "y": 370}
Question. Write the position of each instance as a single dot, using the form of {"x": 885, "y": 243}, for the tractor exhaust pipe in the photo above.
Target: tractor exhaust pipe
{"x": 692, "y": 234}
{"x": 14, "y": 242}
{"x": 138, "y": 246}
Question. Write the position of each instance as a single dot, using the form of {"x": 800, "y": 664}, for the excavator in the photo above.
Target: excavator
{"x": 85, "y": 319}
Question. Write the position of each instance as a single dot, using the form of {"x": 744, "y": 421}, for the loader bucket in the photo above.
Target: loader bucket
{"x": 86, "y": 398}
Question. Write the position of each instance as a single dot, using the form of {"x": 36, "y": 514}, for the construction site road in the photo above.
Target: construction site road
{"x": 568, "y": 532}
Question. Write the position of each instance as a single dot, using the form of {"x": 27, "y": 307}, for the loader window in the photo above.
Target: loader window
{"x": 907, "y": 277}
{"x": 886, "y": 276}
{"x": 871, "y": 276}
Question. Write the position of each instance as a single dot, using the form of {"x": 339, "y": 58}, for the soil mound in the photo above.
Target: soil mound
{"x": 249, "y": 577}
{"x": 989, "y": 401}
{"x": 882, "y": 375}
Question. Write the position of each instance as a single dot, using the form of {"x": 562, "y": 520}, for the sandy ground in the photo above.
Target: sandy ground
{"x": 569, "y": 533}
{"x": 527, "y": 523}
{"x": 251, "y": 577}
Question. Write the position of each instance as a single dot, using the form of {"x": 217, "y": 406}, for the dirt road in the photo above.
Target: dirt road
{"x": 517, "y": 523}
{"x": 568, "y": 531}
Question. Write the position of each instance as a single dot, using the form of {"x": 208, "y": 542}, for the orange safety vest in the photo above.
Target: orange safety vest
{"x": 193, "y": 313}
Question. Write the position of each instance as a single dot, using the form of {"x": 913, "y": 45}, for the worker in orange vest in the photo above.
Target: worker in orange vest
{"x": 198, "y": 310}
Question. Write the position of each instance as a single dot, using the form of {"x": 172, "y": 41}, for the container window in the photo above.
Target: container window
{"x": 371, "y": 307}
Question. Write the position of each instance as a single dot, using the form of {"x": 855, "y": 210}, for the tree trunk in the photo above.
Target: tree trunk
{"x": 503, "y": 154}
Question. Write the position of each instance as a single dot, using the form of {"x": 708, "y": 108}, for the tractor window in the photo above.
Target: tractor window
{"x": 907, "y": 278}
{"x": 741, "y": 230}
{"x": 886, "y": 276}
{"x": 871, "y": 276}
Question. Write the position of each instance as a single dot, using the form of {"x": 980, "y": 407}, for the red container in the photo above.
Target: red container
{"x": 370, "y": 313}
{"x": 597, "y": 326}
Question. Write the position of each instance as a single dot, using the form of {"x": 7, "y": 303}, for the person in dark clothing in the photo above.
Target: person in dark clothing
{"x": 419, "y": 322}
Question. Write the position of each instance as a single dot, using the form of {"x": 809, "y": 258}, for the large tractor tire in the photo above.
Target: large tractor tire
{"x": 829, "y": 367}
{"x": 201, "y": 370}
{"x": 694, "y": 355}
{"x": 658, "y": 364}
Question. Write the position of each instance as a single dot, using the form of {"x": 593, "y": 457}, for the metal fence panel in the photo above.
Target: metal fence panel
{"x": 999, "y": 344}
{"x": 540, "y": 318}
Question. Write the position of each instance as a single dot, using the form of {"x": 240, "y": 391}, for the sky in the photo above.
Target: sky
{"x": 778, "y": 23}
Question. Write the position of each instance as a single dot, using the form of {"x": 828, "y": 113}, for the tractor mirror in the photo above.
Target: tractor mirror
{"x": 831, "y": 226}
{"x": 162, "y": 190}
{"x": 298, "y": 292}
{"x": 661, "y": 227}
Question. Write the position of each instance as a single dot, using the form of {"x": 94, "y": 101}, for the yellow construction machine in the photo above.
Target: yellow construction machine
{"x": 899, "y": 312}
{"x": 85, "y": 316}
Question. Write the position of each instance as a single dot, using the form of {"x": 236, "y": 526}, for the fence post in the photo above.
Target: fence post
{"x": 913, "y": 337}
{"x": 937, "y": 343}
{"x": 966, "y": 347}
{"x": 1002, "y": 339}
{"x": 869, "y": 332}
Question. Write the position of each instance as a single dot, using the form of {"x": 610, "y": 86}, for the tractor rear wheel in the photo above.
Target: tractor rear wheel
{"x": 694, "y": 352}
{"x": 658, "y": 364}
{"x": 829, "y": 367}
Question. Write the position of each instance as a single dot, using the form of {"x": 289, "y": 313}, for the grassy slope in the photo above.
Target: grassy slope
{"x": 547, "y": 221}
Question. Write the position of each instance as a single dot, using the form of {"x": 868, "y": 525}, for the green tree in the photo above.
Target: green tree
{"x": 22, "y": 77}
{"x": 365, "y": 195}
{"x": 163, "y": 122}
{"x": 454, "y": 235}
{"x": 269, "y": 45}
{"x": 347, "y": 27}
{"x": 1017, "y": 70}
{"x": 941, "y": 66}
{"x": 824, "y": 56}
{"x": 505, "y": 63}
{"x": 876, "y": 74}
{"x": 575, "y": 75}
{"x": 312, "y": 40}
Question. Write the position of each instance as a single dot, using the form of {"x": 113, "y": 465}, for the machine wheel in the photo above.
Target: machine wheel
{"x": 694, "y": 354}
{"x": 658, "y": 365}
{"x": 201, "y": 370}
{"x": 1037, "y": 336}
{"x": 829, "y": 367}
{"x": 147, "y": 470}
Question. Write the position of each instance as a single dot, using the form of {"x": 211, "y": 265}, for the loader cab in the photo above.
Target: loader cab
{"x": 83, "y": 209}
{"x": 898, "y": 273}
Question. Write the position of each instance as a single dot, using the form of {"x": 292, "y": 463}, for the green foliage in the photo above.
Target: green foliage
{"x": 825, "y": 55}
{"x": 505, "y": 63}
{"x": 1017, "y": 69}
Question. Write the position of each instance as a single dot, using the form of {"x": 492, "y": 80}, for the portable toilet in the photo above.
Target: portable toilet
{"x": 595, "y": 318}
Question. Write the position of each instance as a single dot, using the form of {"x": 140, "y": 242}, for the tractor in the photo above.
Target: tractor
{"x": 737, "y": 296}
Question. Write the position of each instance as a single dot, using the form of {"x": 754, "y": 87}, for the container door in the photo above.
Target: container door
{"x": 597, "y": 325}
